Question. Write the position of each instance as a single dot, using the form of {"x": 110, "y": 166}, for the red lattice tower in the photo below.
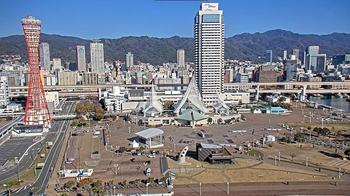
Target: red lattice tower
{"x": 37, "y": 112}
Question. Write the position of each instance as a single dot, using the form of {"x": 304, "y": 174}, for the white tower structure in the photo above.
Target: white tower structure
{"x": 209, "y": 51}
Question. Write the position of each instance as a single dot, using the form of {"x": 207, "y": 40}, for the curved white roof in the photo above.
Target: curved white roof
{"x": 150, "y": 133}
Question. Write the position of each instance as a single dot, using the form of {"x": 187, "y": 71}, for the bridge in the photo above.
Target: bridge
{"x": 259, "y": 88}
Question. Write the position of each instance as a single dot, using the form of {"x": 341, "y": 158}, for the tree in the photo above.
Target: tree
{"x": 210, "y": 120}
{"x": 347, "y": 152}
{"x": 282, "y": 99}
{"x": 219, "y": 121}
{"x": 168, "y": 105}
{"x": 69, "y": 184}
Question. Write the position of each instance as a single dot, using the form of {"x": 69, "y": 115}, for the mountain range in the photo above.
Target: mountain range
{"x": 154, "y": 50}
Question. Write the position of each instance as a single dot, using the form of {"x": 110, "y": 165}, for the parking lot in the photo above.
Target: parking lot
{"x": 14, "y": 147}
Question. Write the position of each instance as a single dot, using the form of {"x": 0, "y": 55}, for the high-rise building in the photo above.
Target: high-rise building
{"x": 268, "y": 56}
{"x": 81, "y": 60}
{"x": 129, "y": 60}
{"x": 45, "y": 56}
{"x": 285, "y": 54}
{"x": 209, "y": 51}
{"x": 97, "y": 57}
{"x": 314, "y": 61}
{"x": 180, "y": 58}
{"x": 4, "y": 91}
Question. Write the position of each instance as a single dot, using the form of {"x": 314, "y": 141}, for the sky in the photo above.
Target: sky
{"x": 93, "y": 19}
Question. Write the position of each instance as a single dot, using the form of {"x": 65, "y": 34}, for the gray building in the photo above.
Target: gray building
{"x": 242, "y": 78}
{"x": 209, "y": 51}
{"x": 268, "y": 56}
{"x": 180, "y": 58}
{"x": 129, "y": 60}
{"x": 314, "y": 61}
{"x": 81, "y": 60}
{"x": 97, "y": 57}
{"x": 4, "y": 91}
{"x": 45, "y": 56}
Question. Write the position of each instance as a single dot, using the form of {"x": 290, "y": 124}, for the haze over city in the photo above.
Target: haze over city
{"x": 100, "y": 98}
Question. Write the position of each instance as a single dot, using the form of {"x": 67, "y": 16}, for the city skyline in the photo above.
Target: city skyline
{"x": 327, "y": 17}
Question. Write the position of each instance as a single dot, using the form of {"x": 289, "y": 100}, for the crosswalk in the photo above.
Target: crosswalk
{"x": 344, "y": 164}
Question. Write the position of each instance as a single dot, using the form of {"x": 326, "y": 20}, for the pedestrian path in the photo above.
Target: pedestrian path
{"x": 344, "y": 164}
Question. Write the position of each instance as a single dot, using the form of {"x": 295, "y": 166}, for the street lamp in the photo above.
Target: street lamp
{"x": 228, "y": 188}
{"x": 147, "y": 184}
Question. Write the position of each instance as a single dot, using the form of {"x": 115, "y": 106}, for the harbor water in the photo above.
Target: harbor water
{"x": 337, "y": 102}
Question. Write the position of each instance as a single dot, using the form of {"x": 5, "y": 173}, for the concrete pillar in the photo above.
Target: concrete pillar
{"x": 303, "y": 93}
{"x": 257, "y": 93}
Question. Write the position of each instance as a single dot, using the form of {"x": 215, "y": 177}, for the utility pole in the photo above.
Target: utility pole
{"x": 17, "y": 163}
{"x": 279, "y": 158}
{"x": 310, "y": 117}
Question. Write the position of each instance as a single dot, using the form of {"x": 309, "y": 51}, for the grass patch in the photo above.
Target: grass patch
{"x": 255, "y": 153}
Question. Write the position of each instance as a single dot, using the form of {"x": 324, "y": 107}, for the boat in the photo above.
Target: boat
{"x": 338, "y": 95}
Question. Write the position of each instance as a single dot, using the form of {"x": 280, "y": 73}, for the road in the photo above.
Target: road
{"x": 40, "y": 183}
{"x": 4, "y": 129}
{"x": 33, "y": 150}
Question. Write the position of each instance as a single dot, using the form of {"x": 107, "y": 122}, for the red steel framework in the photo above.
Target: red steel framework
{"x": 37, "y": 112}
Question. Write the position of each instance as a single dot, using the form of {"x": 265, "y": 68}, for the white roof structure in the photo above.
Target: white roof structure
{"x": 205, "y": 145}
{"x": 193, "y": 97}
{"x": 220, "y": 104}
{"x": 154, "y": 103}
{"x": 150, "y": 133}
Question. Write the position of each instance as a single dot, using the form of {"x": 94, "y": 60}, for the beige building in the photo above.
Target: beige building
{"x": 66, "y": 78}
{"x": 89, "y": 78}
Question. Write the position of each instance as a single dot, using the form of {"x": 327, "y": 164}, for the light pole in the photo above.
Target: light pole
{"x": 279, "y": 158}
{"x": 200, "y": 188}
{"x": 147, "y": 188}
{"x": 310, "y": 118}
{"x": 228, "y": 188}
{"x": 17, "y": 163}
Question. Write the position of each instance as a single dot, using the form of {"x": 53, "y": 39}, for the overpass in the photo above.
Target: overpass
{"x": 259, "y": 88}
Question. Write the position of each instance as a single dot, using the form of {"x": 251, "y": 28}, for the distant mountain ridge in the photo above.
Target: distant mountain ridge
{"x": 245, "y": 46}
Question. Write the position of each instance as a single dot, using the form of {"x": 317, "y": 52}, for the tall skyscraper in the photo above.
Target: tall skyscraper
{"x": 209, "y": 51}
{"x": 45, "y": 56}
{"x": 181, "y": 58}
{"x": 314, "y": 61}
{"x": 268, "y": 56}
{"x": 97, "y": 57}
{"x": 129, "y": 60}
{"x": 81, "y": 60}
